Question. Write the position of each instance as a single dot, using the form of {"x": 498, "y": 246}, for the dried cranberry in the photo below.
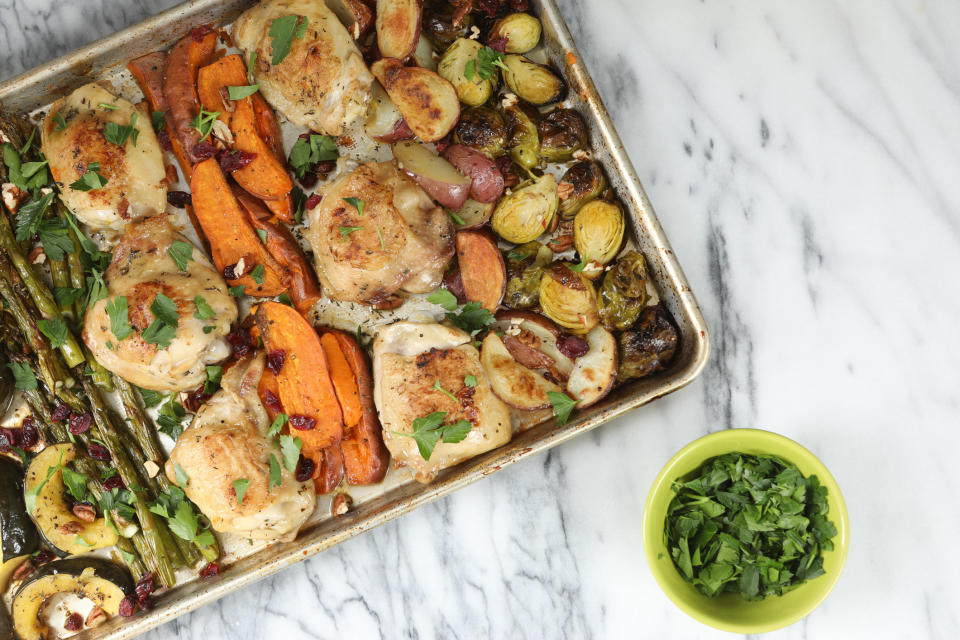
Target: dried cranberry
{"x": 113, "y": 482}
{"x": 79, "y": 423}
{"x": 229, "y": 273}
{"x": 498, "y": 44}
{"x": 301, "y": 422}
{"x": 275, "y": 360}
{"x": 8, "y": 440}
{"x": 212, "y": 569}
{"x": 196, "y": 398}
{"x": 43, "y": 556}
{"x": 98, "y": 452}
{"x": 143, "y": 590}
{"x": 453, "y": 281}
{"x": 198, "y": 33}
{"x": 128, "y": 606}
{"x": 572, "y": 346}
{"x": 324, "y": 167}
{"x": 272, "y": 401}
{"x": 309, "y": 179}
{"x": 74, "y": 622}
{"x": 305, "y": 469}
{"x": 164, "y": 139}
{"x": 230, "y": 161}
{"x": 61, "y": 413}
{"x": 241, "y": 342}
{"x": 313, "y": 201}
{"x": 488, "y": 6}
{"x": 519, "y": 5}
{"x": 29, "y": 435}
{"x": 178, "y": 199}
{"x": 204, "y": 150}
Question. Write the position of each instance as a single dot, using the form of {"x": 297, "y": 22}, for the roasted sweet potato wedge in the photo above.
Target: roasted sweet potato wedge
{"x": 268, "y": 127}
{"x": 482, "y": 270}
{"x": 428, "y": 103}
{"x": 306, "y": 390}
{"x": 398, "y": 27}
{"x": 179, "y": 87}
{"x": 213, "y": 81}
{"x": 365, "y": 457}
{"x": 230, "y": 234}
{"x": 344, "y": 380}
{"x": 329, "y": 471}
{"x": 265, "y": 177}
{"x": 300, "y": 279}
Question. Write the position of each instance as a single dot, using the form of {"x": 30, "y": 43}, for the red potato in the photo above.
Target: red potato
{"x": 515, "y": 384}
{"x": 398, "y": 27}
{"x": 486, "y": 180}
{"x": 482, "y": 270}
{"x": 594, "y": 372}
{"x": 439, "y": 178}
{"x": 428, "y": 102}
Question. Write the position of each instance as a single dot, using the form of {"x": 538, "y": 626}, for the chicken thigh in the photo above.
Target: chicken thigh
{"x": 402, "y": 240}
{"x": 409, "y": 358}
{"x": 227, "y": 441}
{"x": 80, "y": 135}
{"x": 323, "y": 82}
{"x": 142, "y": 268}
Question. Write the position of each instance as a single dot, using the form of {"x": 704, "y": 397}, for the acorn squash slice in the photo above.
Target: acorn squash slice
{"x": 18, "y": 535}
{"x": 100, "y": 581}
{"x": 64, "y": 532}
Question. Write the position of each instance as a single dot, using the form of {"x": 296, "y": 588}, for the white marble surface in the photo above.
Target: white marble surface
{"x": 803, "y": 158}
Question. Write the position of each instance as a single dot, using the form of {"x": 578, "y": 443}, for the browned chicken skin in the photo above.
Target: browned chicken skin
{"x": 403, "y": 241}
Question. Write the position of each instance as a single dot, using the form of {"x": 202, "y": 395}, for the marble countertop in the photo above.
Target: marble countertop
{"x": 803, "y": 160}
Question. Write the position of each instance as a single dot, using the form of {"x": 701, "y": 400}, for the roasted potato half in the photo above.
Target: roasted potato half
{"x": 429, "y": 103}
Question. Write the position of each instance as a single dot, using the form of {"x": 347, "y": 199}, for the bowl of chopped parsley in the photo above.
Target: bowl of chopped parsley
{"x": 745, "y": 530}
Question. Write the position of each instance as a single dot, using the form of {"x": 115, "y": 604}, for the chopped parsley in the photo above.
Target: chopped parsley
{"x": 181, "y": 252}
{"x": 118, "y": 134}
{"x": 562, "y": 406}
{"x": 90, "y": 180}
{"x": 203, "y": 122}
{"x": 282, "y": 32}
{"x": 429, "y": 430}
{"x": 117, "y": 309}
{"x": 356, "y": 203}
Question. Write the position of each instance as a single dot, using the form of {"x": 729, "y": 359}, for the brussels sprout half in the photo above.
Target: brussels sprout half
{"x": 483, "y": 129}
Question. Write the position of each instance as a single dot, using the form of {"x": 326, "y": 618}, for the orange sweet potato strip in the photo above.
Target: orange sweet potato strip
{"x": 265, "y": 177}
{"x": 329, "y": 469}
{"x": 268, "y": 127}
{"x": 365, "y": 457}
{"x": 179, "y": 87}
{"x": 213, "y": 80}
{"x": 231, "y": 237}
{"x": 344, "y": 380}
{"x": 304, "y": 380}
{"x": 301, "y": 280}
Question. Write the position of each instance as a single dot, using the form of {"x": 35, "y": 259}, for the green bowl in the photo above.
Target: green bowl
{"x": 729, "y": 611}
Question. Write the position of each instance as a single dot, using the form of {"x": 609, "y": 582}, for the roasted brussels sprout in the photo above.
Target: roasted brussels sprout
{"x": 586, "y": 182}
{"x": 453, "y": 67}
{"x": 562, "y": 132}
{"x": 649, "y": 345}
{"x": 527, "y": 212}
{"x": 439, "y": 27}
{"x": 520, "y": 30}
{"x": 522, "y": 137}
{"x": 483, "y": 129}
{"x": 524, "y": 270}
{"x": 532, "y": 82}
{"x": 568, "y": 298}
{"x": 623, "y": 292}
{"x": 598, "y": 231}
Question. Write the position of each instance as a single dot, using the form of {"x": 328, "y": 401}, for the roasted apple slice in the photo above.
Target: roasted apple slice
{"x": 515, "y": 384}
{"x": 428, "y": 102}
{"x": 594, "y": 372}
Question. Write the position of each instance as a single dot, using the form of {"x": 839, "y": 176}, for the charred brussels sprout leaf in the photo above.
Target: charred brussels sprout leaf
{"x": 623, "y": 292}
{"x": 562, "y": 132}
{"x": 483, "y": 129}
{"x": 524, "y": 270}
{"x": 649, "y": 345}
{"x": 439, "y": 27}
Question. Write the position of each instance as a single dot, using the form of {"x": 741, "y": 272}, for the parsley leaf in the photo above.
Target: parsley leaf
{"x": 275, "y": 476}
{"x": 55, "y": 329}
{"x": 96, "y": 287}
{"x": 444, "y": 298}
{"x": 562, "y": 406}
{"x": 150, "y": 397}
{"x": 214, "y": 374}
{"x": 203, "y": 122}
{"x": 240, "y": 488}
{"x": 159, "y": 120}
{"x": 429, "y": 430}
{"x": 282, "y": 33}
{"x": 55, "y": 238}
{"x": 308, "y": 151}
{"x": 239, "y": 93}
{"x": 345, "y": 231}
{"x": 485, "y": 64}
{"x": 237, "y": 291}
{"x": 66, "y": 296}
{"x": 472, "y": 318}
{"x": 290, "y": 448}
{"x": 76, "y": 483}
{"x": 277, "y": 424}
{"x": 165, "y": 310}
{"x": 182, "y": 478}
{"x": 204, "y": 310}
{"x": 23, "y": 377}
{"x": 356, "y": 203}
{"x": 61, "y": 123}
{"x": 439, "y": 387}
{"x": 299, "y": 203}
{"x": 257, "y": 274}
{"x": 262, "y": 234}
{"x": 181, "y": 252}
{"x": 118, "y": 134}
{"x": 30, "y": 497}
{"x": 470, "y": 380}
{"x": 117, "y": 309}
{"x": 170, "y": 418}
{"x": 90, "y": 180}
{"x": 30, "y": 216}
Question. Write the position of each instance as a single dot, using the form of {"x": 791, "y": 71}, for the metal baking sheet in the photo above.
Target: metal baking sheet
{"x": 107, "y": 58}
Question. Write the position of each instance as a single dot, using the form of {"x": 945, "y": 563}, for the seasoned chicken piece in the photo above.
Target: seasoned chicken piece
{"x": 142, "y": 268}
{"x": 74, "y": 135}
{"x": 227, "y": 441}
{"x": 323, "y": 82}
{"x": 402, "y": 240}
{"x": 409, "y": 358}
